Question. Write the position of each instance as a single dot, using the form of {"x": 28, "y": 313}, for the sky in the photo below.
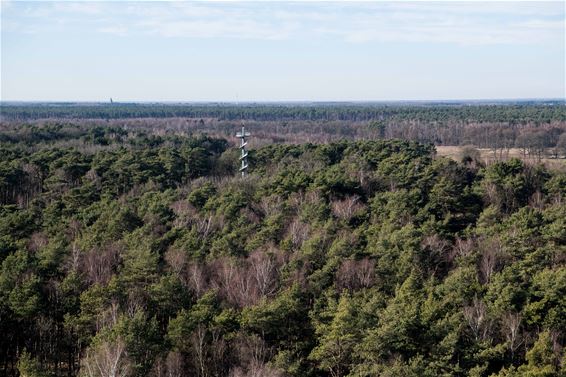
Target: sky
{"x": 281, "y": 51}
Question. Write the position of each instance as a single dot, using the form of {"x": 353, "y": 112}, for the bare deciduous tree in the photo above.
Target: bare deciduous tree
{"x": 199, "y": 349}
{"x": 299, "y": 233}
{"x": 251, "y": 216}
{"x": 37, "y": 242}
{"x": 537, "y": 200}
{"x": 109, "y": 317}
{"x": 346, "y": 208}
{"x": 476, "y": 317}
{"x": 438, "y": 252}
{"x": 170, "y": 366}
{"x": 205, "y": 225}
{"x": 74, "y": 261}
{"x": 176, "y": 260}
{"x": 223, "y": 273}
{"x": 355, "y": 274}
{"x": 244, "y": 288}
{"x": 492, "y": 195}
{"x": 487, "y": 264}
{"x": 270, "y": 205}
{"x": 185, "y": 213}
{"x": 511, "y": 324}
{"x": 107, "y": 359}
{"x": 246, "y": 282}
{"x": 174, "y": 364}
{"x": 218, "y": 349}
{"x": 252, "y": 353}
{"x": 264, "y": 270}
{"x": 99, "y": 263}
{"x": 491, "y": 254}
{"x": 195, "y": 278}
{"x": 464, "y": 247}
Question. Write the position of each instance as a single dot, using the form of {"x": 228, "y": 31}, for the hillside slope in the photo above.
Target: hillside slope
{"x": 145, "y": 253}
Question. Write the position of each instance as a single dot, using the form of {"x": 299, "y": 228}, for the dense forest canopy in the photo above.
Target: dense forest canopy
{"x": 514, "y": 112}
{"x": 534, "y": 130}
{"x": 140, "y": 252}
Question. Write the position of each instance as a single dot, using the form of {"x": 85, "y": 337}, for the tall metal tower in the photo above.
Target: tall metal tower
{"x": 244, "y": 156}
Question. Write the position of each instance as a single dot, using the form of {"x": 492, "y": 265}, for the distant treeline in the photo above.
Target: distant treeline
{"x": 536, "y": 142}
{"x": 513, "y": 113}
{"x": 537, "y": 128}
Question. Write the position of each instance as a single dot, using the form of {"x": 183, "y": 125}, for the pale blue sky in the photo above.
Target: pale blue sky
{"x": 281, "y": 51}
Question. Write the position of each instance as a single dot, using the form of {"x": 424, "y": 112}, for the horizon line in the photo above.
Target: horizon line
{"x": 173, "y": 102}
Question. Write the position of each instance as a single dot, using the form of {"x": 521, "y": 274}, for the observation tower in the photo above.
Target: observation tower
{"x": 244, "y": 153}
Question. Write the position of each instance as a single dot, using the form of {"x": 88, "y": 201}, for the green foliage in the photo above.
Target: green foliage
{"x": 337, "y": 339}
{"x": 29, "y": 366}
{"x": 142, "y": 339}
{"x": 352, "y": 258}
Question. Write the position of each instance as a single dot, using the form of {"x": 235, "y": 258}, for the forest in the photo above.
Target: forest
{"x": 131, "y": 246}
{"x": 537, "y": 128}
{"x": 540, "y": 111}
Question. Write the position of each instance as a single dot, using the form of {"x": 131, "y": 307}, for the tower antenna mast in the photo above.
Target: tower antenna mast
{"x": 244, "y": 153}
